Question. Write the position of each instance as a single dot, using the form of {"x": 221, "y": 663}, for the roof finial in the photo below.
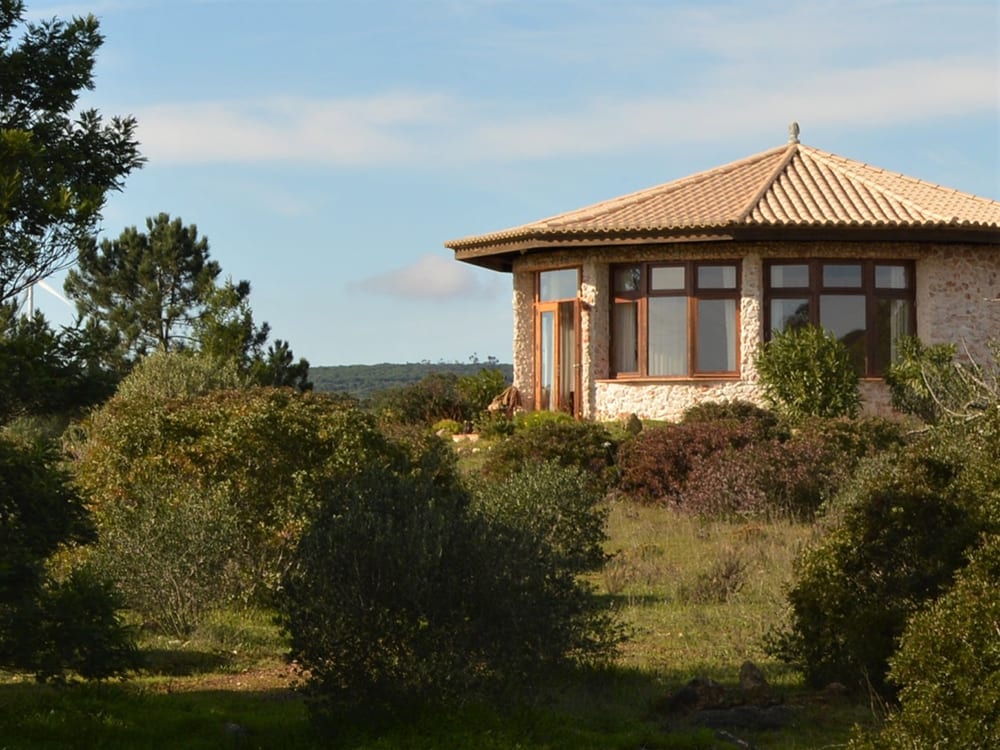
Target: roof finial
{"x": 793, "y": 132}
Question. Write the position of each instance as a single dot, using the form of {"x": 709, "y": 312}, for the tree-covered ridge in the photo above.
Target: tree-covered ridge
{"x": 363, "y": 381}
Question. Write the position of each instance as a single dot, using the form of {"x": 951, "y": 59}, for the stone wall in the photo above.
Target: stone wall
{"x": 957, "y": 291}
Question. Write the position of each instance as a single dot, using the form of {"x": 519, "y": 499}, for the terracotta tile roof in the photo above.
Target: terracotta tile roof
{"x": 792, "y": 186}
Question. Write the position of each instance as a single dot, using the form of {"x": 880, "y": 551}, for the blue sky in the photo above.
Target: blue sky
{"x": 327, "y": 148}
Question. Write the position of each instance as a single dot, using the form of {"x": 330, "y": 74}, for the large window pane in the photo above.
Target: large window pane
{"x": 625, "y": 337}
{"x": 668, "y": 336}
{"x": 716, "y": 335}
{"x": 892, "y": 324}
{"x": 842, "y": 275}
{"x": 547, "y": 356}
{"x": 844, "y": 316}
{"x": 666, "y": 278}
{"x": 561, "y": 284}
{"x": 789, "y": 313}
{"x": 716, "y": 277}
{"x": 790, "y": 276}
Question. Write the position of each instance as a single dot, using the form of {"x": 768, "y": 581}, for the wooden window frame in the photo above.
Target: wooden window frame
{"x": 872, "y": 294}
{"x": 553, "y": 306}
{"x": 693, "y": 294}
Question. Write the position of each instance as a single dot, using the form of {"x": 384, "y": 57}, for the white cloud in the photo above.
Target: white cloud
{"x": 368, "y": 130}
{"x": 431, "y": 277}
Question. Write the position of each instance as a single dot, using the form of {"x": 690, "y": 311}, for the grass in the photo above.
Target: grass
{"x": 698, "y": 597}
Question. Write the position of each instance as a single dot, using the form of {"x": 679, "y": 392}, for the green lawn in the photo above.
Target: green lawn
{"x": 697, "y": 596}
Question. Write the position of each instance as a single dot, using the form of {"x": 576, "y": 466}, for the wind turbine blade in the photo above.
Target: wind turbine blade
{"x": 48, "y": 288}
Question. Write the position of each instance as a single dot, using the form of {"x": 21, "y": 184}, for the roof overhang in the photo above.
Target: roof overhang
{"x": 499, "y": 254}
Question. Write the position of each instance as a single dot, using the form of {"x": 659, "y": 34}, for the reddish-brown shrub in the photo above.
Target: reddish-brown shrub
{"x": 766, "y": 478}
{"x": 654, "y": 465}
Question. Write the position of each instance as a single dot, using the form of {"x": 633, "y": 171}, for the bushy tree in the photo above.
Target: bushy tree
{"x": 906, "y": 525}
{"x": 47, "y": 625}
{"x": 172, "y": 446}
{"x": 808, "y": 372}
{"x": 948, "y": 667}
{"x": 929, "y": 382}
{"x": 558, "y": 504}
{"x": 57, "y": 163}
{"x": 401, "y": 594}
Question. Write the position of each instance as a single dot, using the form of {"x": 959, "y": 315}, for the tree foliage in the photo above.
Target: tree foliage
{"x": 808, "y": 372}
{"x": 148, "y": 289}
{"x": 45, "y": 372}
{"x": 48, "y": 625}
{"x": 158, "y": 291}
{"x": 57, "y": 164}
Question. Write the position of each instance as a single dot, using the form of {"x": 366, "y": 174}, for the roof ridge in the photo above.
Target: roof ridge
{"x": 791, "y": 150}
{"x": 841, "y": 164}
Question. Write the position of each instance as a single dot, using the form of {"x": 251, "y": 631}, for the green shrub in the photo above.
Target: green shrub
{"x": 80, "y": 628}
{"x": 447, "y": 427}
{"x": 948, "y": 666}
{"x": 586, "y": 445}
{"x": 654, "y": 465}
{"x": 265, "y": 455}
{"x": 401, "y": 595}
{"x": 436, "y": 396}
{"x": 906, "y": 524}
{"x": 479, "y": 390}
{"x": 557, "y": 504}
{"x": 51, "y": 626}
{"x": 765, "y": 421}
{"x": 929, "y": 382}
{"x": 808, "y": 372}
{"x": 176, "y": 551}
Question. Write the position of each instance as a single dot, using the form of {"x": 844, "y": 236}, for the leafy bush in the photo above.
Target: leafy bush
{"x": 907, "y": 522}
{"x": 808, "y": 372}
{"x": 80, "y": 628}
{"x": 554, "y": 503}
{"x": 400, "y": 594}
{"x": 654, "y": 465}
{"x": 479, "y": 390}
{"x": 948, "y": 666}
{"x": 46, "y": 625}
{"x": 263, "y": 456}
{"x": 586, "y": 445}
{"x": 766, "y": 422}
{"x": 929, "y": 382}
{"x": 435, "y": 396}
{"x": 175, "y": 550}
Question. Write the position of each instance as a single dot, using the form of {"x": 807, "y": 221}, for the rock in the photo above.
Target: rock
{"x": 751, "y": 677}
{"x": 755, "y": 718}
{"x": 698, "y": 694}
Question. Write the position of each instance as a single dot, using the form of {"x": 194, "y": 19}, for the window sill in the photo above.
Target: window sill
{"x": 683, "y": 380}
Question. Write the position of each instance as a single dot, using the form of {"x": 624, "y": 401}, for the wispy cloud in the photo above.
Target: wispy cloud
{"x": 649, "y": 74}
{"x": 431, "y": 277}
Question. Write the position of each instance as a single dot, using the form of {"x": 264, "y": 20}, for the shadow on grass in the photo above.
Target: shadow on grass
{"x": 169, "y": 662}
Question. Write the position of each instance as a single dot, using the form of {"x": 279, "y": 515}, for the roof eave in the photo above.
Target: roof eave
{"x": 498, "y": 254}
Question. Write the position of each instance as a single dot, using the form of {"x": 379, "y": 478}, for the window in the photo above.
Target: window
{"x": 556, "y": 340}
{"x": 867, "y": 304}
{"x": 674, "y": 319}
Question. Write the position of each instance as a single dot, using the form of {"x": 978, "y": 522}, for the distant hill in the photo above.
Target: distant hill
{"x": 361, "y": 381}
